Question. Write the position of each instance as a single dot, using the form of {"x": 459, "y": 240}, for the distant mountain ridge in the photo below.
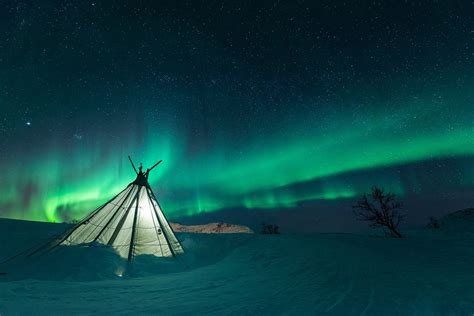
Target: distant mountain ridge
{"x": 461, "y": 221}
{"x": 212, "y": 228}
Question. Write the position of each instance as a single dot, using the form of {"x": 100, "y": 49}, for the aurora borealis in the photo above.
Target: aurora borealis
{"x": 254, "y": 106}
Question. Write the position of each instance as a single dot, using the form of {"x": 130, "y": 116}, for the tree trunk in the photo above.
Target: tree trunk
{"x": 395, "y": 233}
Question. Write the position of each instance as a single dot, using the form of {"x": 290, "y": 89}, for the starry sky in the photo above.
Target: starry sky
{"x": 251, "y": 105}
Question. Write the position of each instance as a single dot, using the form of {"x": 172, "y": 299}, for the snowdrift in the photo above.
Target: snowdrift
{"x": 97, "y": 261}
{"x": 324, "y": 274}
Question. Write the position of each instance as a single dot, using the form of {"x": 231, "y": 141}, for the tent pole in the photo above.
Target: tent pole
{"x": 90, "y": 216}
{"x": 133, "y": 165}
{"x": 122, "y": 220}
{"x": 132, "y": 239}
{"x": 153, "y": 194}
{"x": 94, "y": 229}
{"x": 161, "y": 224}
{"x": 113, "y": 216}
{"x": 156, "y": 164}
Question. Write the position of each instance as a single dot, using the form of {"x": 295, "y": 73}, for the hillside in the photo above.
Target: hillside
{"x": 319, "y": 274}
{"x": 459, "y": 222}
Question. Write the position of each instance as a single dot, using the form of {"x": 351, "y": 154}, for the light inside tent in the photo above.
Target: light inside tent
{"x": 119, "y": 272}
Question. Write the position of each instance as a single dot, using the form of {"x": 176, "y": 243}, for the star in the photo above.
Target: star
{"x": 28, "y": 123}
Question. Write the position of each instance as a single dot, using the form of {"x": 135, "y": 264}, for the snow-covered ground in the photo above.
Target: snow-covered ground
{"x": 427, "y": 273}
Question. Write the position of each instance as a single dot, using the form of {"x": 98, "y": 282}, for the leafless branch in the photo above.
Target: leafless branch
{"x": 380, "y": 209}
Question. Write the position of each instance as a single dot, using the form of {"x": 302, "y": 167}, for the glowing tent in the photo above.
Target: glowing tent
{"x": 132, "y": 223}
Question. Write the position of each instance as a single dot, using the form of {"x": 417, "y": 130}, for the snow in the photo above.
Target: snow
{"x": 427, "y": 273}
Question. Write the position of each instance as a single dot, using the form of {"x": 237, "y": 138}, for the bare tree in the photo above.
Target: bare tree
{"x": 433, "y": 223}
{"x": 380, "y": 209}
{"x": 269, "y": 229}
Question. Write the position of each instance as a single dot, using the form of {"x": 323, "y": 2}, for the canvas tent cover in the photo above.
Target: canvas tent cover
{"x": 132, "y": 223}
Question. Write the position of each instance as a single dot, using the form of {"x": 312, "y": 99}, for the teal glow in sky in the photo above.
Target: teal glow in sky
{"x": 302, "y": 102}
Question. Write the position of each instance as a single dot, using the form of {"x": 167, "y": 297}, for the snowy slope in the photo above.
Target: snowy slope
{"x": 460, "y": 222}
{"x": 325, "y": 274}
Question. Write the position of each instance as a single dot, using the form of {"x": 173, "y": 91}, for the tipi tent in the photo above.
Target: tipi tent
{"x": 132, "y": 223}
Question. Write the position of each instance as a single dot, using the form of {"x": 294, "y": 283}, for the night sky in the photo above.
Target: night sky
{"x": 252, "y": 105}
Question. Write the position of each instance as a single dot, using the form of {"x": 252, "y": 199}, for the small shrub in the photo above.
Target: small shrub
{"x": 433, "y": 223}
{"x": 270, "y": 229}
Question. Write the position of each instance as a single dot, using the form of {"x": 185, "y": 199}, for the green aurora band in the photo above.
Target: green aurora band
{"x": 67, "y": 184}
